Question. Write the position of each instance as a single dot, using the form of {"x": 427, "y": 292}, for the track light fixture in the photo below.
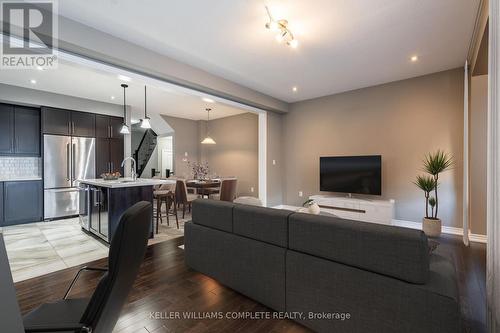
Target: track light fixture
{"x": 283, "y": 32}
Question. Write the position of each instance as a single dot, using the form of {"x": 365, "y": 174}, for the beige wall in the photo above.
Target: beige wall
{"x": 236, "y": 151}
{"x": 478, "y": 140}
{"x": 275, "y": 172}
{"x": 402, "y": 121}
{"x": 185, "y": 141}
{"x": 235, "y": 154}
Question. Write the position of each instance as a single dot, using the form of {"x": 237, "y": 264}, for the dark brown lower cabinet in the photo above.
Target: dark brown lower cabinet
{"x": 1, "y": 204}
{"x": 109, "y": 155}
{"x": 22, "y": 202}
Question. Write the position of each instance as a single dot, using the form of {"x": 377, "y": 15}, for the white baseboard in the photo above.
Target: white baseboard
{"x": 445, "y": 229}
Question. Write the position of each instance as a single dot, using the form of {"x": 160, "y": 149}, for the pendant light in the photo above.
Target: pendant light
{"x": 145, "y": 122}
{"x": 125, "y": 129}
{"x": 208, "y": 140}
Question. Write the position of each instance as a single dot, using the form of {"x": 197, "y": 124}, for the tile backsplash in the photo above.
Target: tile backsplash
{"x": 18, "y": 167}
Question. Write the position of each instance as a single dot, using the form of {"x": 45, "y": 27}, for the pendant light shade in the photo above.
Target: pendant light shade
{"x": 124, "y": 129}
{"x": 145, "y": 122}
{"x": 208, "y": 140}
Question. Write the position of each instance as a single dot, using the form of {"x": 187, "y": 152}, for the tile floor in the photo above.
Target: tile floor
{"x": 36, "y": 249}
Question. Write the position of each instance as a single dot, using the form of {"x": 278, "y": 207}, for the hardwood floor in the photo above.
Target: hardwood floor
{"x": 166, "y": 285}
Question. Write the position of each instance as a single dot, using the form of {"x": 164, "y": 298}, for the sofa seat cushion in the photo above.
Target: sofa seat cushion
{"x": 393, "y": 251}
{"x": 375, "y": 302}
{"x": 214, "y": 214}
{"x": 253, "y": 268}
{"x": 260, "y": 223}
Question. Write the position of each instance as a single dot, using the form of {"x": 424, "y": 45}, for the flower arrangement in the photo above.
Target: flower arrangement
{"x": 199, "y": 170}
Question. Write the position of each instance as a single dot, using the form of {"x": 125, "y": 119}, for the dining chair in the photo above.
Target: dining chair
{"x": 227, "y": 190}
{"x": 182, "y": 196}
{"x": 100, "y": 312}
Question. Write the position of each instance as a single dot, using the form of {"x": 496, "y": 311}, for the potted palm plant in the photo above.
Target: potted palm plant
{"x": 434, "y": 164}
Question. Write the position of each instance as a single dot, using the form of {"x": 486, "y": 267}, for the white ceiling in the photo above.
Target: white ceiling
{"x": 344, "y": 44}
{"x": 80, "y": 81}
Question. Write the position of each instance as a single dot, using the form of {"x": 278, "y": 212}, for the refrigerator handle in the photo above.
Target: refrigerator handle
{"x": 67, "y": 162}
{"x": 73, "y": 162}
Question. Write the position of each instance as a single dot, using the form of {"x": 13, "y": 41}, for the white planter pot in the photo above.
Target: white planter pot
{"x": 431, "y": 227}
{"x": 314, "y": 209}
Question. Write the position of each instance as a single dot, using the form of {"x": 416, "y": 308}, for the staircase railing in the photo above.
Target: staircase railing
{"x": 145, "y": 150}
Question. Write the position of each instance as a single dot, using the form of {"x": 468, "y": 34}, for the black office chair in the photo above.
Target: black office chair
{"x": 100, "y": 313}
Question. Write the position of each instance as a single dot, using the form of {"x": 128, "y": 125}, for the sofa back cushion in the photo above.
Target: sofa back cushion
{"x": 213, "y": 214}
{"x": 393, "y": 251}
{"x": 262, "y": 224}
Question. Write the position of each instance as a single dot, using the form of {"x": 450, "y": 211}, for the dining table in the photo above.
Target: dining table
{"x": 204, "y": 187}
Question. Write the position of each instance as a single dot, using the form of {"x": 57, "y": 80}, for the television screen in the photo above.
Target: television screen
{"x": 351, "y": 174}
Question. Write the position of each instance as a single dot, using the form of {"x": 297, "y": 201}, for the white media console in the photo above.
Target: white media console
{"x": 377, "y": 211}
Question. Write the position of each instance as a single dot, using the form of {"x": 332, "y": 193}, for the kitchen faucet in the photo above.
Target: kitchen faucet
{"x": 133, "y": 167}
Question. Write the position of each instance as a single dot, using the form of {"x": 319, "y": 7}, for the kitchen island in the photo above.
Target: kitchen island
{"x": 102, "y": 202}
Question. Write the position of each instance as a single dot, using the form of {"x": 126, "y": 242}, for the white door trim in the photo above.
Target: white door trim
{"x": 493, "y": 173}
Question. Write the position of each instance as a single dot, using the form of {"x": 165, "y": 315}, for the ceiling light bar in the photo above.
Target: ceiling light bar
{"x": 284, "y": 33}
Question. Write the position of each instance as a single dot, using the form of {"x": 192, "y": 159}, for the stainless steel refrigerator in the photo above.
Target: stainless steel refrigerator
{"x": 65, "y": 160}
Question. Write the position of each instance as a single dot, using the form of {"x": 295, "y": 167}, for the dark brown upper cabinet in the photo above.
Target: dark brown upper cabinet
{"x": 19, "y": 130}
{"x": 108, "y": 127}
{"x": 6, "y": 129}
{"x": 26, "y": 131}
{"x": 83, "y": 124}
{"x": 67, "y": 122}
{"x": 116, "y": 124}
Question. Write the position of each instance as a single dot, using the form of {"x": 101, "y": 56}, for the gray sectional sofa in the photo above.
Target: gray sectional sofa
{"x": 325, "y": 268}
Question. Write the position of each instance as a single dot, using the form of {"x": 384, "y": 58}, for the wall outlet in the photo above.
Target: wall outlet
{"x": 301, "y": 194}
{"x": 251, "y": 189}
{"x": 274, "y": 162}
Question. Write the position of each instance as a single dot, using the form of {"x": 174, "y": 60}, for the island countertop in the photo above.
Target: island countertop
{"x": 126, "y": 182}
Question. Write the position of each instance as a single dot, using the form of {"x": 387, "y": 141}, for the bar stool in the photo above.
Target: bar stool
{"x": 171, "y": 207}
{"x": 165, "y": 193}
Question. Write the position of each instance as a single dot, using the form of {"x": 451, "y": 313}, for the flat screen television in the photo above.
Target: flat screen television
{"x": 351, "y": 174}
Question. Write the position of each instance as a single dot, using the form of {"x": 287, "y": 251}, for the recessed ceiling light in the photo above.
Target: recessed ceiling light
{"x": 124, "y": 78}
{"x": 208, "y": 100}
{"x": 33, "y": 81}
{"x": 294, "y": 89}
{"x": 112, "y": 97}
{"x": 414, "y": 58}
